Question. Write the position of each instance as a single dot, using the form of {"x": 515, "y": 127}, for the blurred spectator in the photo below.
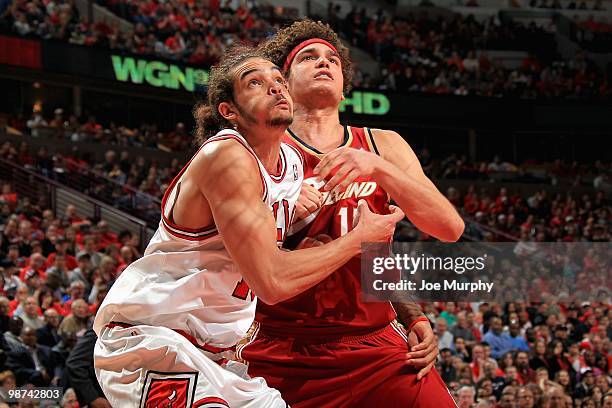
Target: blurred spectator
{"x": 445, "y": 337}
{"x": 69, "y": 399}
{"x": 48, "y": 335}
{"x": 462, "y": 330}
{"x": 77, "y": 321}
{"x": 499, "y": 341}
{"x": 29, "y": 314}
{"x": 37, "y": 121}
{"x": 79, "y": 366}
{"x": 82, "y": 273}
{"x": 14, "y": 331}
{"x": 33, "y": 363}
{"x": 467, "y": 397}
{"x": 89, "y": 248}
{"x": 7, "y": 382}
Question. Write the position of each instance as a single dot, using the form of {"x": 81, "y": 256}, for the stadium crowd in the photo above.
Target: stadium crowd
{"x": 444, "y": 56}
{"x": 186, "y": 31}
{"x": 55, "y": 269}
{"x": 69, "y": 127}
{"x": 594, "y": 35}
{"x": 136, "y": 185}
{"x": 416, "y": 54}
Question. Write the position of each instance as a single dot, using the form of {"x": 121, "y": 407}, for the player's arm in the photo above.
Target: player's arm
{"x": 402, "y": 176}
{"x": 399, "y": 172}
{"x": 423, "y": 349}
{"x": 229, "y": 179}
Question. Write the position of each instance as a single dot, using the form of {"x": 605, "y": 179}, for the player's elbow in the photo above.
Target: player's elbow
{"x": 270, "y": 292}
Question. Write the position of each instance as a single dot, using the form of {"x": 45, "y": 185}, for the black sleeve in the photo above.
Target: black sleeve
{"x": 79, "y": 367}
{"x": 22, "y": 365}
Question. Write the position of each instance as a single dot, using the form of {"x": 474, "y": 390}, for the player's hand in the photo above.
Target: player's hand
{"x": 309, "y": 242}
{"x": 425, "y": 352}
{"x": 376, "y": 227}
{"x": 100, "y": 403}
{"x": 310, "y": 200}
{"x": 349, "y": 163}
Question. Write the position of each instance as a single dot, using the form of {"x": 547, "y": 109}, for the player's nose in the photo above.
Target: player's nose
{"x": 322, "y": 62}
{"x": 275, "y": 88}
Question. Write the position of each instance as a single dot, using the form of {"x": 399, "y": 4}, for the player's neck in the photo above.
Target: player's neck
{"x": 319, "y": 127}
{"x": 266, "y": 144}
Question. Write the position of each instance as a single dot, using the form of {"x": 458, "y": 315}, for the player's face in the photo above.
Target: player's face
{"x": 261, "y": 95}
{"x": 316, "y": 72}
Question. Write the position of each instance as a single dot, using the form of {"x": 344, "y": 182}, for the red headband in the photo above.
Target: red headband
{"x": 301, "y": 46}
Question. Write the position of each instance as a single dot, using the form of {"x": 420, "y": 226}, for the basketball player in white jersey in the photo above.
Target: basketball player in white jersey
{"x": 172, "y": 319}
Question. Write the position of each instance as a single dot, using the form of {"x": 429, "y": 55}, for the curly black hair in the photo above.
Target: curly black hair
{"x": 220, "y": 89}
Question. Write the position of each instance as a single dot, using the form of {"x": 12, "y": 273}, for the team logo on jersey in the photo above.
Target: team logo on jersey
{"x": 168, "y": 390}
{"x": 357, "y": 189}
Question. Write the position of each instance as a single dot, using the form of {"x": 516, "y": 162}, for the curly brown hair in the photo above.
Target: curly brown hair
{"x": 279, "y": 46}
{"x": 220, "y": 89}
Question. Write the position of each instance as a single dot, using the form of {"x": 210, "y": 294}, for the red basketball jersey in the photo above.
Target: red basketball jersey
{"x": 333, "y": 307}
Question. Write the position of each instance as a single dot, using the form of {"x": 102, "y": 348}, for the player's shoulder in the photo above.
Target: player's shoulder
{"x": 384, "y": 133}
{"x": 224, "y": 157}
{"x": 225, "y": 148}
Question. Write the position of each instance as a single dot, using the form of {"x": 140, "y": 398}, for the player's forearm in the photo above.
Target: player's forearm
{"x": 407, "y": 312}
{"x": 424, "y": 205}
{"x": 296, "y": 271}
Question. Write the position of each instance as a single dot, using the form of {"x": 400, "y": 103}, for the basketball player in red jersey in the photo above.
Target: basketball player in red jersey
{"x": 326, "y": 348}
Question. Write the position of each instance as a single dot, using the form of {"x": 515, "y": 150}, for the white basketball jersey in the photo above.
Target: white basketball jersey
{"x": 186, "y": 280}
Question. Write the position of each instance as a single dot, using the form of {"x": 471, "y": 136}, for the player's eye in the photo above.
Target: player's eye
{"x": 334, "y": 60}
{"x": 254, "y": 82}
{"x": 308, "y": 57}
{"x": 281, "y": 81}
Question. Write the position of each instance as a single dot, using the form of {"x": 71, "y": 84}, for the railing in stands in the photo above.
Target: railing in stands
{"x": 475, "y": 231}
{"x": 56, "y": 194}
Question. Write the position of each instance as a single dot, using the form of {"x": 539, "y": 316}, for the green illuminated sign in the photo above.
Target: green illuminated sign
{"x": 369, "y": 103}
{"x": 158, "y": 73}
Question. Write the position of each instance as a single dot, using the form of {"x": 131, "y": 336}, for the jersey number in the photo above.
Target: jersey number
{"x": 346, "y": 214}
{"x": 281, "y": 232}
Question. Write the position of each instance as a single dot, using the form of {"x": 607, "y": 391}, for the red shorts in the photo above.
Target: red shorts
{"x": 364, "y": 371}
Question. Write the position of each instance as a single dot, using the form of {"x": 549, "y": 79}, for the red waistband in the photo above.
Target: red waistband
{"x": 192, "y": 340}
{"x": 314, "y": 338}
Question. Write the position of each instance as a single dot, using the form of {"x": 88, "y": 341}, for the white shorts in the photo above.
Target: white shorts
{"x": 145, "y": 366}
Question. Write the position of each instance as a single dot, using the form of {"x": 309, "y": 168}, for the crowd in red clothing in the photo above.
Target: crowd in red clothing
{"x": 593, "y": 34}
{"x": 194, "y": 32}
{"x": 423, "y": 54}
{"x": 197, "y": 32}
{"x": 55, "y": 270}
{"x": 120, "y": 178}
{"x": 416, "y": 54}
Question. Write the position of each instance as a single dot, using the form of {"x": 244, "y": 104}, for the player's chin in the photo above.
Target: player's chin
{"x": 325, "y": 88}
{"x": 281, "y": 118}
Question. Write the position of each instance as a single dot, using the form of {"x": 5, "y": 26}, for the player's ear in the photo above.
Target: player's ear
{"x": 227, "y": 111}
